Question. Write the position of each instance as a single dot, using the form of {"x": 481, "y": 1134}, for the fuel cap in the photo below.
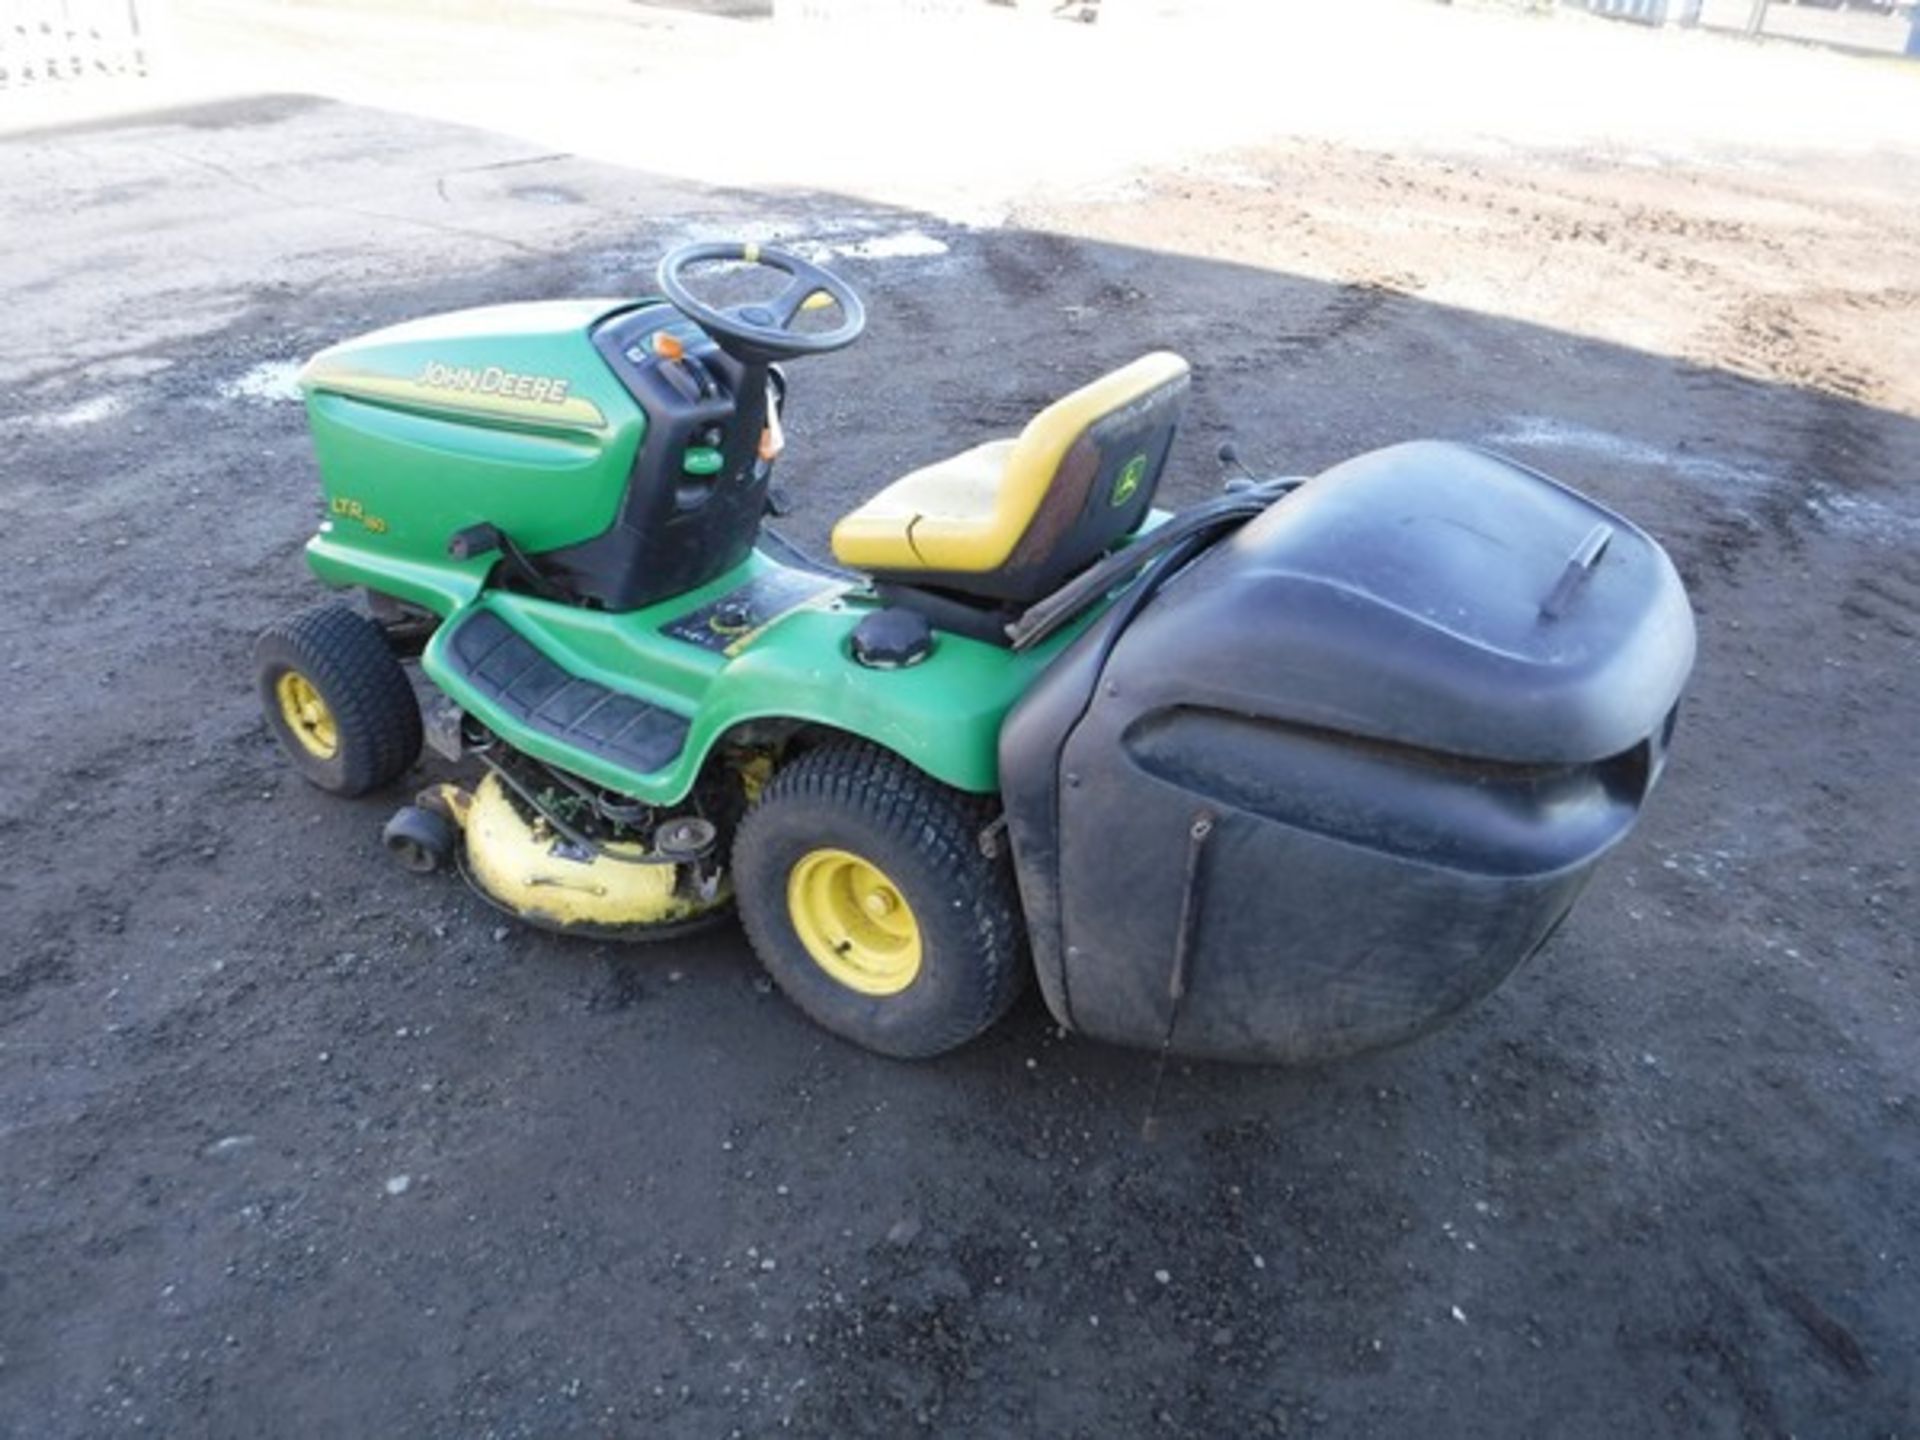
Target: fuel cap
{"x": 892, "y": 639}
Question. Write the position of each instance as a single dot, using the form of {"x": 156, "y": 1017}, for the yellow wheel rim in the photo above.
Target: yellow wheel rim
{"x": 854, "y": 921}
{"x": 307, "y": 715}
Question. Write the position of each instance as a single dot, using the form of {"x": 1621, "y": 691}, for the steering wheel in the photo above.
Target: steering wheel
{"x": 761, "y": 331}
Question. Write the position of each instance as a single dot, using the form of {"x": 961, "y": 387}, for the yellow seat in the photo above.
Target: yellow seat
{"x": 1011, "y": 519}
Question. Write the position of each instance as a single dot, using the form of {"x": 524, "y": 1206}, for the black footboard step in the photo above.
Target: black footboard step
{"x": 506, "y": 667}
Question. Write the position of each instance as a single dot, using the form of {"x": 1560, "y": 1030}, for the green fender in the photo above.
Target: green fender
{"x": 943, "y": 715}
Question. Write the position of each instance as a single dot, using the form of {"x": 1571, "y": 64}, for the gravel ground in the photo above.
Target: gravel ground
{"x": 293, "y": 1143}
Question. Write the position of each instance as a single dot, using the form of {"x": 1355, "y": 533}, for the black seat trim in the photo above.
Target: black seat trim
{"x": 958, "y": 614}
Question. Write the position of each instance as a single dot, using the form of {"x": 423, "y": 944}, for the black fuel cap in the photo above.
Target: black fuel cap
{"x": 892, "y": 639}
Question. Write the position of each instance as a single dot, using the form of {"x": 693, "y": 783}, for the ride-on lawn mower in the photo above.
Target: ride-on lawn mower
{"x": 1292, "y": 774}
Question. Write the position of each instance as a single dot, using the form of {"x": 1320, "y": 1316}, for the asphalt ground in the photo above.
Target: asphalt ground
{"x": 291, "y": 1142}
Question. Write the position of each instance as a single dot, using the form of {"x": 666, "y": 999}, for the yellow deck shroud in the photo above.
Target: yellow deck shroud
{"x": 527, "y": 870}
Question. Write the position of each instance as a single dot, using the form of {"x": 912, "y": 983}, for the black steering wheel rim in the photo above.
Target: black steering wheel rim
{"x": 761, "y": 331}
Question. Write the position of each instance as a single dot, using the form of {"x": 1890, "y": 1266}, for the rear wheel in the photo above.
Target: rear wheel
{"x": 865, "y": 892}
{"x": 337, "y": 699}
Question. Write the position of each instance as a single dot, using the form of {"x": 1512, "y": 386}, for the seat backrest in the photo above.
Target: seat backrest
{"x": 1082, "y": 474}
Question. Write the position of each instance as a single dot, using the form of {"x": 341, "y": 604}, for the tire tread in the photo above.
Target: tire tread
{"x": 942, "y": 824}
{"x": 347, "y": 658}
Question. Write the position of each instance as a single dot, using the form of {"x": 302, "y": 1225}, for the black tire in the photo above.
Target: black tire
{"x": 856, "y": 799}
{"x": 420, "y": 840}
{"x": 369, "y": 732}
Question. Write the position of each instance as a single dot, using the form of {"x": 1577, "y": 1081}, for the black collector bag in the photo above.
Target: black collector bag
{"x": 1338, "y": 777}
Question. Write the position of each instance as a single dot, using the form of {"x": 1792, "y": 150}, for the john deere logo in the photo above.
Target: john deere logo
{"x": 1131, "y": 474}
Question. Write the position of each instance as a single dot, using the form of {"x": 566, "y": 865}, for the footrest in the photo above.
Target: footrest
{"x": 504, "y": 666}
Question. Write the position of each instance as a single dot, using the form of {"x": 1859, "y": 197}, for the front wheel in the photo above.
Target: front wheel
{"x": 337, "y": 700}
{"x": 865, "y": 891}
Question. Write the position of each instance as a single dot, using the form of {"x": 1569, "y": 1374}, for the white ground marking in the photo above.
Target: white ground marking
{"x": 902, "y": 245}
{"x": 87, "y": 412}
{"x": 819, "y": 238}
{"x": 271, "y": 380}
{"x": 1844, "y": 511}
{"x": 1540, "y": 432}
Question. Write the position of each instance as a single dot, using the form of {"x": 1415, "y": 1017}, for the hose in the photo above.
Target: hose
{"x": 564, "y": 828}
{"x": 1172, "y": 542}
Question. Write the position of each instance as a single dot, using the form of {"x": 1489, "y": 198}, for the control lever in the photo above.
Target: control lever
{"x": 1247, "y": 480}
{"x": 484, "y": 539}
{"x": 1229, "y": 458}
{"x": 481, "y": 539}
